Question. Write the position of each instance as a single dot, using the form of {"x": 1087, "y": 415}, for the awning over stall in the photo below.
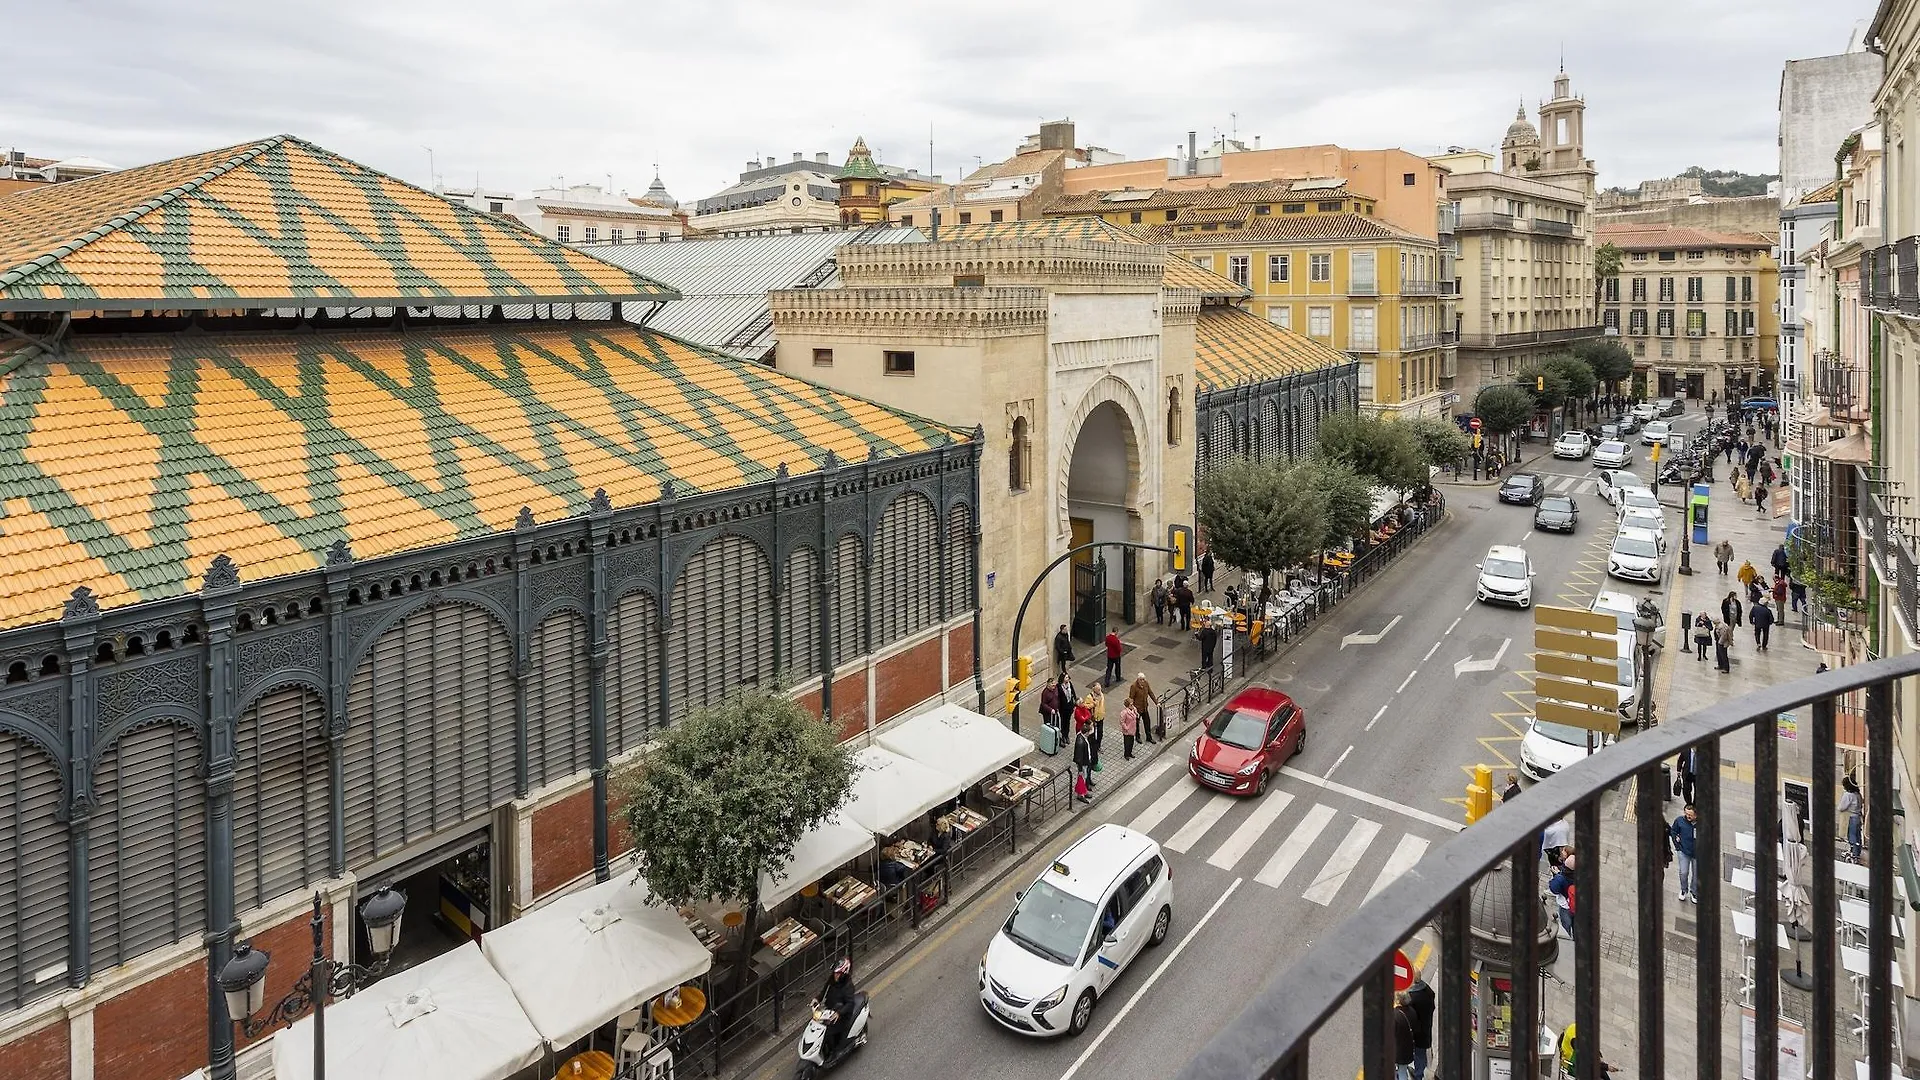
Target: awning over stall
{"x": 961, "y": 744}
{"x": 892, "y": 790}
{"x": 586, "y": 958}
{"x": 834, "y": 842}
{"x": 452, "y": 1018}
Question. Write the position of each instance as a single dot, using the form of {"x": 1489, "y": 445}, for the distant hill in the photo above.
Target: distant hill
{"x": 1725, "y": 182}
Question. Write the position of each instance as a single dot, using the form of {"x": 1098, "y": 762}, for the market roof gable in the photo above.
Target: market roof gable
{"x": 278, "y": 222}
{"x": 1233, "y": 346}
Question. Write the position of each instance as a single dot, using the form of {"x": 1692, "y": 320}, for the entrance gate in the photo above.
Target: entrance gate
{"x": 1090, "y": 601}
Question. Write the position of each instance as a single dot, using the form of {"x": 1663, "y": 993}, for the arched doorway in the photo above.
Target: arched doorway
{"x": 1102, "y": 500}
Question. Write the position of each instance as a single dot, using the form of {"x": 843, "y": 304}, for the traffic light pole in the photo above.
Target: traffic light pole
{"x": 1013, "y": 663}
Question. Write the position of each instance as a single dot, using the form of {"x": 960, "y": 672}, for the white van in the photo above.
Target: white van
{"x": 1074, "y": 930}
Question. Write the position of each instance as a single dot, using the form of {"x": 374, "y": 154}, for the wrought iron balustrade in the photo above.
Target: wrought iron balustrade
{"x": 1273, "y": 1035}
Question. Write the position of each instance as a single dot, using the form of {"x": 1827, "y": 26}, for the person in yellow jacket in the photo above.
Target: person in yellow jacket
{"x": 1747, "y": 573}
{"x": 1567, "y": 1061}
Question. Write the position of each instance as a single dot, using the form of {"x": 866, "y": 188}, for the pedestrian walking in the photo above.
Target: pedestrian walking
{"x": 1115, "y": 649}
{"x": 1420, "y": 1007}
{"x": 1160, "y": 596}
{"x": 1686, "y": 771}
{"x": 1779, "y": 592}
{"x": 1402, "y": 1039}
{"x": 1723, "y": 555}
{"x": 1140, "y": 695}
{"x": 1097, "y": 702}
{"x": 1555, "y": 841}
{"x": 1206, "y": 570}
{"x": 1722, "y": 646}
{"x": 1062, "y": 650}
{"x": 1851, "y": 806}
{"x": 1798, "y": 591}
{"x": 1730, "y": 452}
{"x": 1760, "y": 499}
{"x": 1183, "y": 603}
{"x": 1762, "y": 619}
{"x": 1082, "y": 755}
{"x": 1050, "y": 705}
{"x": 1561, "y": 886}
{"x": 1742, "y": 448}
{"x": 1129, "y": 729}
{"x": 1511, "y": 791}
{"x": 1683, "y": 833}
{"x": 1730, "y": 609}
{"x": 1779, "y": 560}
{"x": 1209, "y": 639}
{"x": 1756, "y": 592}
{"x": 1702, "y": 636}
{"x": 1746, "y": 573}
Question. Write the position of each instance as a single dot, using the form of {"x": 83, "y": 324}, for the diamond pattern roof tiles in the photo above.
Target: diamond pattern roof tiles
{"x": 131, "y": 462}
{"x": 1232, "y": 346}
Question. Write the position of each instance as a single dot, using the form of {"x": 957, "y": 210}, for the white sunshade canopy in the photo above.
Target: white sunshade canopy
{"x": 587, "y": 957}
{"x": 892, "y": 790}
{"x": 452, "y": 1018}
{"x": 834, "y": 842}
{"x": 964, "y": 745}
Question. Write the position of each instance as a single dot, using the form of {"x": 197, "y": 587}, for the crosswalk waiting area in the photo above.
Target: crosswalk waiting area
{"x": 1321, "y": 843}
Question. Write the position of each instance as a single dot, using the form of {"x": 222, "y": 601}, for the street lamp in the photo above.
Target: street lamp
{"x": 243, "y": 978}
{"x": 1646, "y": 620}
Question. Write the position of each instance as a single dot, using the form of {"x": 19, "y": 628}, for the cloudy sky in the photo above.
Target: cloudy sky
{"x": 521, "y": 94}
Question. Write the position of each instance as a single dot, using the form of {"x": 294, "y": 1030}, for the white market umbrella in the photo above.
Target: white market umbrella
{"x": 834, "y": 842}
{"x": 1798, "y": 865}
{"x": 892, "y": 790}
{"x": 965, "y": 745}
{"x": 587, "y": 957}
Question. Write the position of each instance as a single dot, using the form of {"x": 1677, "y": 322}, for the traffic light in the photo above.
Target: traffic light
{"x": 1023, "y": 673}
{"x": 1480, "y": 794}
{"x": 1013, "y": 695}
{"x": 1180, "y": 539}
{"x": 1540, "y": 383}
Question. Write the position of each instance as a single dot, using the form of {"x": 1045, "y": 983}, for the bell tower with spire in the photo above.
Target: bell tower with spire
{"x": 1562, "y": 132}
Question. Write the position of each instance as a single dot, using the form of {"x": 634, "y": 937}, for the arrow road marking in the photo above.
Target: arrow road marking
{"x": 1470, "y": 664}
{"x": 1368, "y": 639}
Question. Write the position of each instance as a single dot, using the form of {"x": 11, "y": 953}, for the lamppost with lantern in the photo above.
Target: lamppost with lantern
{"x": 243, "y": 978}
{"x": 1646, "y": 620}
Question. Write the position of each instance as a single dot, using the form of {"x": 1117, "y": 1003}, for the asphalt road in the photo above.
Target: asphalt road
{"x": 1393, "y": 727}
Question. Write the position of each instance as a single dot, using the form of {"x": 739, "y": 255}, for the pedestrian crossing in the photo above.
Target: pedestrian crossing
{"x": 1562, "y": 484}
{"x": 1327, "y": 847}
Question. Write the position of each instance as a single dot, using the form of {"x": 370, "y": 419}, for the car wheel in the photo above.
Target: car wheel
{"x": 1300, "y": 744}
{"x": 1082, "y": 1014}
{"x": 1260, "y": 784}
{"x": 1160, "y": 924}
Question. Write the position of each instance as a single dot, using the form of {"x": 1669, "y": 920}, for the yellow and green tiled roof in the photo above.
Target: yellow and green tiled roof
{"x": 128, "y": 463}
{"x": 1232, "y": 346}
{"x": 278, "y": 223}
{"x": 1181, "y": 273}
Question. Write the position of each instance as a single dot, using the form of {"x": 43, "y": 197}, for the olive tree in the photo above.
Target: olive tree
{"x": 1261, "y": 515}
{"x": 1384, "y": 451}
{"x": 1441, "y": 441}
{"x": 1503, "y": 408}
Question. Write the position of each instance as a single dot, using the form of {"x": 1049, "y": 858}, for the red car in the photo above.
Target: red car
{"x": 1246, "y": 742}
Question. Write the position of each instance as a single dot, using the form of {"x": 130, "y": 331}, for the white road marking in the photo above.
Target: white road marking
{"x": 1141, "y": 993}
{"x": 1142, "y": 780}
{"x": 1338, "y": 760}
{"x": 1345, "y": 857}
{"x": 1205, "y": 818}
{"x": 1250, "y": 830}
{"x": 1430, "y": 652}
{"x": 1456, "y": 622}
{"x": 1381, "y": 713}
{"x": 1374, "y": 800}
{"x": 1527, "y": 537}
{"x": 1470, "y": 664}
{"x": 1405, "y": 854}
{"x": 1409, "y": 678}
{"x": 1167, "y": 803}
{"x": 1296, "y": 845}
{"x": 1369, "y": 639}
{"x": 1470, "y": 604}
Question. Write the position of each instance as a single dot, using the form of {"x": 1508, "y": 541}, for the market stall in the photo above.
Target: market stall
{"x": 957, "y": 742}
{"x": 452, "y": 1018}
{"x": 833, "y": 843}
{"x": 892, "y": 791}
{"x": 584, "y": 959}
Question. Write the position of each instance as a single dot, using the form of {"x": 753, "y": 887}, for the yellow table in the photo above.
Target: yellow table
{"x": 591, "y": 1065}
{"x": 693, "y": 1002}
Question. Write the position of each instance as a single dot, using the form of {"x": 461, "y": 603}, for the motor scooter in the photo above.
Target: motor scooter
{"x": 814, "y": 1059}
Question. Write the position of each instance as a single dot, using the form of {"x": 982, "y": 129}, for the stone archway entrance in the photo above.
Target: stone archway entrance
{"x": 1102, "y": 501}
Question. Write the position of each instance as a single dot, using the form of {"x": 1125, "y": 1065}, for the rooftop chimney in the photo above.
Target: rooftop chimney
{"x": 1256, "y": 142}
{"x": 1193, "y": 154}
{"x": 821, "y": 157}
{"x": 796, "y": 155}
{"x": 1056, "y": 135}
{"x": 752, "y": 164}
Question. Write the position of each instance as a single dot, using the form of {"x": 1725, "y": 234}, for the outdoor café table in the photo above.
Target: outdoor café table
{"x": 711, "y": 938}
{"x": 908, "y": 853}
{"x": 590, "y": 1065}
{"x": 693, "y": 1002}
{"x": 788, "y": 937}
{"x": 1860, "y": 878}
{"x": 1010, "y": 785}
{"x": 1854, "y": 913}
{"x": 1855, "y": 961}
{"x": 851, "y": 894}
{"x": 962, "y": 820}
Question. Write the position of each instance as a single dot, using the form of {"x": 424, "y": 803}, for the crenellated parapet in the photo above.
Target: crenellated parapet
{"x": 893, "y": 311}
{"x": 1082, "y": 264}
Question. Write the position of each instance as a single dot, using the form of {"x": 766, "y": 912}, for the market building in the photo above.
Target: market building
{"x": 360, "y": 552}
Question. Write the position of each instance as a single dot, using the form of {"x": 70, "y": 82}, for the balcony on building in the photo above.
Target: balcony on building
{"x": 1529, "y": 337}
{"x": 1416, "y": 287}
{"x": 1447, "y": 221}
{"x": 1554, "y": 228}
{"x": 1417, "y": 342}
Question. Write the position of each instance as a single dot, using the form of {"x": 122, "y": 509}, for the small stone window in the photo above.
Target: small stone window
{"x": 1019, "y": 457}
{"x": 966, "y": 217}
{"x": 823, "y": 358}
{"x": 897, "y": 362}
{"x": 1173, "y": 416}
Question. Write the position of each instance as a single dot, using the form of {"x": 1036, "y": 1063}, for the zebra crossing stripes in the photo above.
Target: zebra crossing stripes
{"x": 1250, "y": 830}
{"x": 1405, "y": 854}
{"x": 1345, "y": 857}
{"x": 1569, "y": 485}
{"x": 1295, "y": 846}
{"x": 1167, "y": 803}
{"x": 1205, "y": 818}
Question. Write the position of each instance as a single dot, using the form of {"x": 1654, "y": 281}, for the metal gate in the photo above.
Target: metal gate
{"x": 1090, "y": 601}
{"x": 1129, "y": 585}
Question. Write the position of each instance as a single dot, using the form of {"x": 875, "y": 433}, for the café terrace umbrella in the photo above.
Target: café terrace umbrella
{"x": 1798, "y": 865}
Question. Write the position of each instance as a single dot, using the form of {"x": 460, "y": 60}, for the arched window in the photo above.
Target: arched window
{"x": 1173, "y": 416}
{"x": 1019, "y": 457}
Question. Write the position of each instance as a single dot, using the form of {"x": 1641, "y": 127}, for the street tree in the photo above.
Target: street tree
{"x": 1261, "y": 515}
{"x": 1547, "y": 385}
{"x": 1606, "y": 264}
{"x": 1503, "y": 408}
{"x": 1441, "y": 441}
{"x": 1609, "y": 361}
{"x": 1348, "y": 495}
{"x": 722, "y": 796}
{"x": 1385, "y": 451}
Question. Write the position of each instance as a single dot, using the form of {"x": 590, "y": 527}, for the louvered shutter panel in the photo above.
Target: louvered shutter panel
{"x": 722, "y": 624}
{"x": 557, "y": 700}
{"x": 848, "y": 591}
{"x": 801, "y": 616}
{"x": 960, "y": 561}
{"x": 1221, "y": 445}
{"x": 1270, "y": 449}
{"x": 907, "y": 547}
{"x": 147, "y": 850}
{"x": 280, "y": 807}
{"x": 33, "y": 874}
{"x": 633, "y": 672}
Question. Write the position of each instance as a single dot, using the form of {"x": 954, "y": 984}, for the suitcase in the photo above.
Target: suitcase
{"x": 1049, "y": 739}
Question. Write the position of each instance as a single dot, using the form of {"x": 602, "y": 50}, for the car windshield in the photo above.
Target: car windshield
{"x": 1572, "y": 437}
{"x": 1633, "y": 545}
{"x": 1521, "y": 480}
{"x": 1658, "y": 427}
{"x": 1050, "y": 923}
{"x": 1639, "y": 517}
{"x": 1504, "y": 568}
{"x": 1626, "y": 671}
{"x": 1613, "y": 448}
{"x": 1640, "y": 497}
{"x": 1559, "y": 503}
{"x": 1238, "y": 727}
{"x": 1561, "y": 733}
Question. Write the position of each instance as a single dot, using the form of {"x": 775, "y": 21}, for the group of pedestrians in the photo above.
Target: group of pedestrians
{"x": 1081, "y": 719}
{"x": 1174, "y": 603}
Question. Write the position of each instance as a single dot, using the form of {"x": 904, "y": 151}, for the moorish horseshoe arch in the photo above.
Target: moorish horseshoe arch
{"x": 1109, "y": 389}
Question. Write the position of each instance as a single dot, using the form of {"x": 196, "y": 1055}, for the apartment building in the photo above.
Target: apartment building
{"x": 1696, "y": 309}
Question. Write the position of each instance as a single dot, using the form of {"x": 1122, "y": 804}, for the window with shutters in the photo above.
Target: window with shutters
{"x": 281, "y": 809}
{"x": 557, "y": 703}
{"x": 430, "y": 729}
{"x": 33, "y": 875}
{"x": 960, "y": 561}
{"x": 800, "y": 617}
{"x": 146, "y": 846}
{"x": 906, "y": 592}
{"x": 722, "y": 635}
{"x": 848, "y": 596}
{"x": 633, "y": 671}
{"x": 1666, "y": 290}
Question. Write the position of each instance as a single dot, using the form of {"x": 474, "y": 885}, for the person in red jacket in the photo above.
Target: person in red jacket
{"x": 1114, "y": 651}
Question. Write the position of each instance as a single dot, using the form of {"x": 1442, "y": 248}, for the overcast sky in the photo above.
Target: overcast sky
{"x": 520, "y": 94}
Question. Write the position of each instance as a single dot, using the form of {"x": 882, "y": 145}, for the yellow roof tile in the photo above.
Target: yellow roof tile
{"x": 1232, "y": 346}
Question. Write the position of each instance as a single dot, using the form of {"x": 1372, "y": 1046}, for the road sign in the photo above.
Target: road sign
{"x": 1473, "y": 424}
{"x": 1402, "y": 971}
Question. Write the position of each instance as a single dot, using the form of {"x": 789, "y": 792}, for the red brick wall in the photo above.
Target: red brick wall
{"x": 850, "y": 703}
{"x": 562, "y": 842}
{"x": 158, "y": 1030}
{"x": 906, "y": 679}
{"x": 616, "y": 832}
{"x": 291, "y": 946}
{"x": 39, "y": 1056}
{"x": 959, "y": 655}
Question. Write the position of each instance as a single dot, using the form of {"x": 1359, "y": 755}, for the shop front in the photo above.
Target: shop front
{"x": 451, "y": 886}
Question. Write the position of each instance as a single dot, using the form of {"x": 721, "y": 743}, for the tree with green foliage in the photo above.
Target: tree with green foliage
{"x": 1441, "y": 441}
{"x": 722, "y": 796}
{"x": 1579, "y": 378}
{"x": 1609, "y": 360}
{"x": 1348, "y": 495}
{"x": 1261, "y": 515}
{"x": 1503, "y": 408}
{"x": 1384, "y": 451}
{"x": 1547, "y": 385}
{"x": 1606, "y": 264}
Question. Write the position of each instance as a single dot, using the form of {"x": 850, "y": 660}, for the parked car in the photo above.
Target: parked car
{"x": 1635, "y": 495}
{"x": 1647, "y": 519}
{"x": 1610, "y": 432}
{"x": 1522, "y": 488}
{"x": 1573, "y": 445}
{"x": 1556, "y": 513}
{"x": 1246, "y": 742}
{"x": 1074, "y": 931}
{"x": 1613, "y": 481}
{"x": 1635, "y": 556}
{"x": 1548, "y": 747}
{"x": 1613, "y": 454}
{"x": 1506, "y": 577}
{"x": 1655, "y": 433}
{"x": 1625, "y": 608}
{"x": 1673, "y": 406}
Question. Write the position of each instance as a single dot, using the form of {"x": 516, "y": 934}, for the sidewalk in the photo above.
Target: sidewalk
{"x": 1529, "y": 453}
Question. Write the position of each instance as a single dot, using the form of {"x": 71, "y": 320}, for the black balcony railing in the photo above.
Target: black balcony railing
{"x": 1272, "y": 1036}
{"x": 1878, "y": 266}
{"x": 1906, "y": 279}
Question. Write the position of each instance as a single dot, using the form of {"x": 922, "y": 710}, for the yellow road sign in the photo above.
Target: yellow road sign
{"x": 1575, "y": 644}
{"x": 1605, "y": 721}
{"x": 1593, "y": 622}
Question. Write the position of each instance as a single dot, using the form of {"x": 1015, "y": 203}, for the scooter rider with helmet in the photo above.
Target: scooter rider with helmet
{"x": 838, "y": 996}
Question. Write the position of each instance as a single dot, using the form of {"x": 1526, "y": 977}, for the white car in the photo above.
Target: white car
{"x": 1655, "y": 433}
{"x": 1635, "y": 556}
{"x": 1613, "y": 481}
{"x": 1645, "y": 411}
{"x": 1638, "y": 497}
{"x": 1644, "y": 519}
{"x": 1074, "y": 930}
{"x": 1625, "y": 609}
{"x": 1573, "y": 445}
{"x": 1548, "y": 747}
{"x": 1613, "y": 454}
{"x": 1506, "y": 577}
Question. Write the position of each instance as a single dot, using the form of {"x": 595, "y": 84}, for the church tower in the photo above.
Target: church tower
{"x": 1520, "y": 150}
{"x": 1562, "y": 134}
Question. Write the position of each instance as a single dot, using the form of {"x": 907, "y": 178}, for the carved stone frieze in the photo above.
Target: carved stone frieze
{"x": 126, "y": 691}
{"x": 258, "y": 657}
